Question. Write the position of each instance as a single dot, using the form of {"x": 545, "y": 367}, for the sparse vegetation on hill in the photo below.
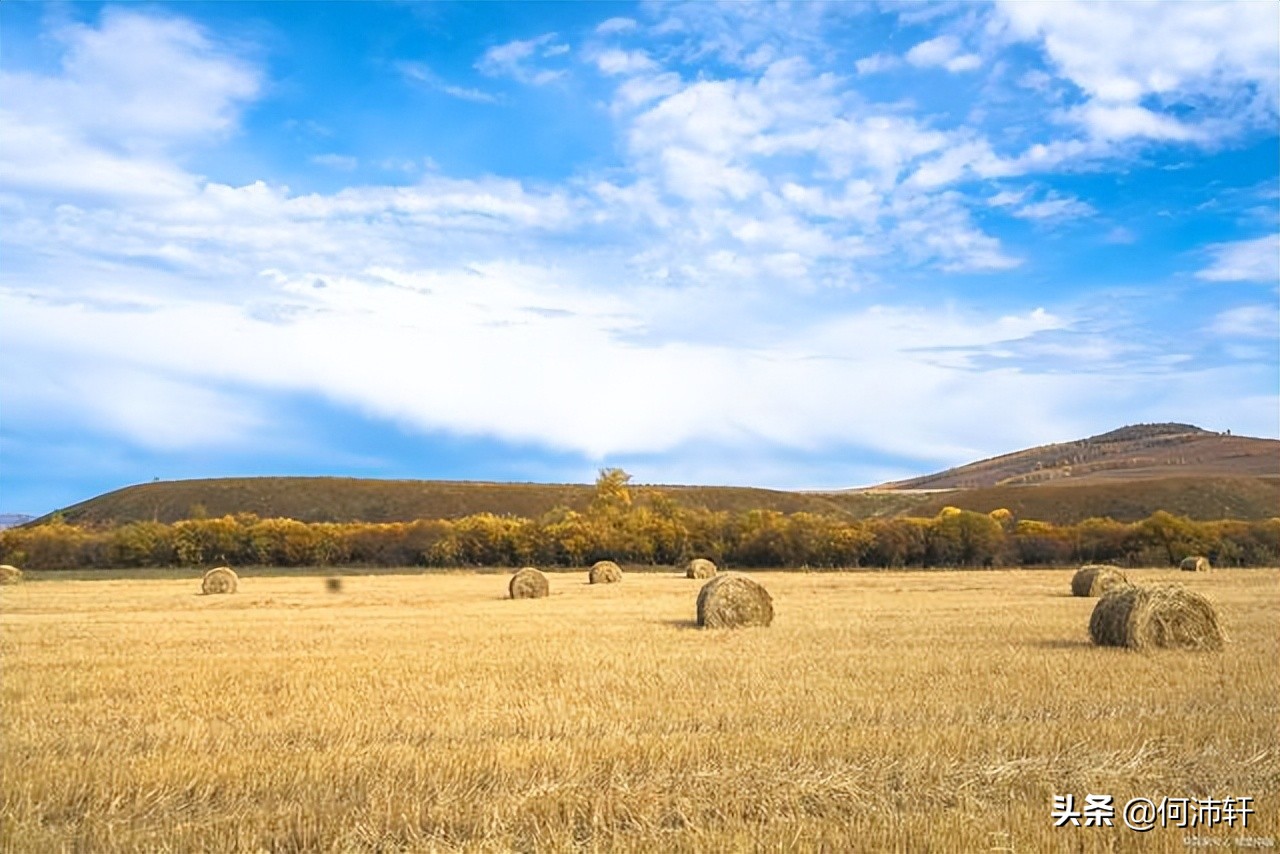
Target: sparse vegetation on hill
{"x": 1126, "y": 475}
{"x": 1137, "y": 452}
{"x": 337, "y": 499}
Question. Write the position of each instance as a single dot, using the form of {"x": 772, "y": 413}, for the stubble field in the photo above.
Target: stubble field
{"x": 907, "y": 711}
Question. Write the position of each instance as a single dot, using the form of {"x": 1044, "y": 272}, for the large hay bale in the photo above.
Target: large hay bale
{"x": 729, "y": 601}
{"x": 222, "y": 579}
{"x": 700, "y": 567}
{"x": 333, "y": 584}
{"x": 1096, "y": 579}
{"x": 9, "y": 574}
{"x": 605, "y": 572}
{"x": 1158, "y": 615}
{"x": 528, "y": 583}
{"x": 1195, "y": 563}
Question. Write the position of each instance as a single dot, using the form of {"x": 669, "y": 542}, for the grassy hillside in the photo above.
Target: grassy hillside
{"x": 1136, "y": 453}
{"x": 1126, "y": 474}
{"x": 351, "y": 500}
{"x": 1201, "y": 498}
{"x": 332, "y": 499}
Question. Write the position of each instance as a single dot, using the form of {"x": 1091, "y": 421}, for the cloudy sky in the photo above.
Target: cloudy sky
{"x": 799, "y": 246}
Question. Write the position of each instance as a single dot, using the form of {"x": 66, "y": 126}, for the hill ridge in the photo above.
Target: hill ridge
{"x": 1133, "y": 452}
{"x": 1125, "y": 474}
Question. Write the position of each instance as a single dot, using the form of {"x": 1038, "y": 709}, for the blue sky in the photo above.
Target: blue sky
{"x": 804, "y": 246}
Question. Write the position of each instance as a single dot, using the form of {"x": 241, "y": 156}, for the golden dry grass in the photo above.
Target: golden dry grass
{"x": 912, "y": 711}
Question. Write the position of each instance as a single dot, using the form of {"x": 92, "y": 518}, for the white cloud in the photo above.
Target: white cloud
{"x": 1248, "y": 321}
{"x": 138, "y": 82}
{"x": 639, "y": 91}
{"x": 1125, "y": 121}
{"x": 964, "y": 62}
{"x": 625, "y": 62}
{"x": 1206, "y": 54}
{"x": 41, "y": 159}
{"x": 139, "y": 402}
{"x": 1055, "y": 208}
{"x": 616, "y": 25}
{"x": 126, "y": 94}
{"x": 964, "y": 158}
{"x": 943, "y": 52}
{"x": 876, "y": 63}
{"x": 519, "y": 60}
{"x": 504, "y": 330}
{"x": 939, "y": 229}
{"x": 1006, "y": 198}
{"x": 1256, "y": 260}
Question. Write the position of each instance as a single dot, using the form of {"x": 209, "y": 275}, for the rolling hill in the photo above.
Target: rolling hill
{"x": 1126, "y": 474}
{"x": 1138, "y": 452}
{"x": 334, "y": 499}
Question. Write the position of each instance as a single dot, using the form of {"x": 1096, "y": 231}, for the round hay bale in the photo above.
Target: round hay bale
{"x": 1195, "y": 563}
{"x": 1096, "y": 579}
{"x": 729, "y": 601}
{"x": 1155, "y": 616}
{"x": 222, "y": 579}
{"x": 528, "y": 583}
{"x": 9, "y": 574}
{"x": 605, "y": 572}
{"x": 333, "y": 584}
{"x": 700, "y": 567}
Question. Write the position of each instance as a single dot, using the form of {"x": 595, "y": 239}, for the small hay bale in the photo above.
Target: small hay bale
{"x": 729, "y": 601}
{"x": 604, "y": 572}
{"x": 9, "y": 574}
{"x": 1195, "y": 563}
{"x": 1155, "y": 616}
{"x": 700, "y": 567}
{"x": 222, "y": 579}
{"x": 333, "y": 584}
{"x": 528, "y": 583}
{"x": 1096, "y": 579}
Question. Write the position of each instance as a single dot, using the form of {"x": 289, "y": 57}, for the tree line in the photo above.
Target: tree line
{"x": 646, "y": 528}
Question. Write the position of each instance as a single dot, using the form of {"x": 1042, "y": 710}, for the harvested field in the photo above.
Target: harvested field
{"x": 907, "y": 711}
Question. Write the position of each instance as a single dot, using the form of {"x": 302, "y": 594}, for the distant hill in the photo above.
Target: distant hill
{"x": 13, "y": 520}
{"x": 1126, "y": 474}
{"x": 335, "y": 499}
{"x": 1140, "y": 452}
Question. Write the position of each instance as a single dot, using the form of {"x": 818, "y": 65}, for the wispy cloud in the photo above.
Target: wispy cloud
{"x": 520, "y": 60}
{"x": 1055, "y": 208}
{"x": 876, "y": 63}
{"x": 420, "y": 73}
{"x": 341, "y": 162}
{"x": 1256, "y": 260}
{"x": 1248, "y": 321}
{"x": 616, "y": 25}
